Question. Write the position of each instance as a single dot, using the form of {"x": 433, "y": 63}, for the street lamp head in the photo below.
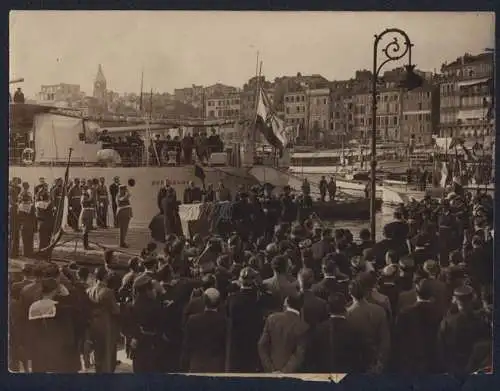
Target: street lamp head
{"x": 411, "y": 80}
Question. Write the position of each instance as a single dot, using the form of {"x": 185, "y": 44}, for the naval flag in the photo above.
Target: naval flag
{"x": 269, "y": 124}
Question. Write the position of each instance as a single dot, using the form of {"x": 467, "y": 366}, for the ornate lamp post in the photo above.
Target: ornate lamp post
{"x": 393, "y": 51}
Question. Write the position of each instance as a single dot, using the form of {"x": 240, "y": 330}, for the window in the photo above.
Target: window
{"x": 298, "y": 109}
{"x": 394, "y": 120}
{"x": 324, "y": 101}
{"x": 286, "y": 98}
{"x": 287, "y": 110}
{"x": 303, "y": 98}
{"x": 420, "y": 105}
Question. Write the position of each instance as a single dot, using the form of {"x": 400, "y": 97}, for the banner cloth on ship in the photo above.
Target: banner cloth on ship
{"x": 203, "y": 218}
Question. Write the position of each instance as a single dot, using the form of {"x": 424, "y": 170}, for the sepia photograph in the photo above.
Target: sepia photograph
{"x": 229, "y": 193}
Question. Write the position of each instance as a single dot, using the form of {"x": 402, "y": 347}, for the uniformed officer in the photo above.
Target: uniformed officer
{"x": 86, "y": 215}
{"x": 102, "y": 204}
{"x": 123, "y": 213}
{"x": 75, "y": 206}
{"x": 40, "y": 185}
{"x": 26, "y": 216}
{"x": 45, "y": 217}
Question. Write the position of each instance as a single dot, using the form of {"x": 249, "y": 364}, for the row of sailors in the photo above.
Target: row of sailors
{"x": 42, "y": 210}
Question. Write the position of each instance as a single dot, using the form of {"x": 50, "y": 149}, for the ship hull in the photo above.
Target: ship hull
{"x": 148, "y": 181}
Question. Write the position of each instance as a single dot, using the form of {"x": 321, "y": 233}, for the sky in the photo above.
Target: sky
{"x": 177, "y": 49}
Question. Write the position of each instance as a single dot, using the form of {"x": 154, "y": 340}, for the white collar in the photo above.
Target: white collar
{"x": 293, "y": 311}
{"x": 337, "y": 316}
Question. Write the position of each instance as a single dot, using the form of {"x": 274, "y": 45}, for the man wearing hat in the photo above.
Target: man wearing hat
{"x": 148, "y": 339}
{"x": 74, "y": 207}
{"x": 52, "y": 330}
{"x": 102, "y": 203}
{"x": 204, "y": 342}
{"x": 455, "y": 345}
{"x": 288, "y": 207}
{"x": 245, "y": 322}
{"x": 415, "y": 333}
{"x": 104, "y": 325}
{"x": 151, "y": 266}
{"x": 113, "y": 192}
{"x": 242, "y": 215}
{"x": 282, "y": 345}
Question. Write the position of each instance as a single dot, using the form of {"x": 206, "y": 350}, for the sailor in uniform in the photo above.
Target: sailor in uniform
{"x": 113, "y": 192}
{"x": 86, "y": 215}
{"x": 123, "y": 213}
{"x": 26, "y": 216}
{"x": 14, "y": 191}
{"x": 102, "y": 204}
{"x": 56, "y": 194}
{"x": 45, "y": 217}
{"x": 74, "y": 207}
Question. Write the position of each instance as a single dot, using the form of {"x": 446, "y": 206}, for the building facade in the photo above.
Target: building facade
{"x": 221, "y": 106}
{"x": 60, "y": 94}
{"x": 420, "y": 114}
{"x": 295, "y": 112}
{"x": 465, "y": 96}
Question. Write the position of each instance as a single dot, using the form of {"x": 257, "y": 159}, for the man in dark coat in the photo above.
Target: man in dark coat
{"x": 204, "y": 343}
{"x": 416, "y": 333}
{"x": 460, "y": 332}
{"x": 147, "y": 327}
{"x": 282, "y": 345}
{"x": 314, "y": 310}
{"x": 170, "y": 208}
{"x": 113, "y": 192}
{"x": 245, "y": 324}
{"x": 335, "y": 345}
{"x": 288, "y": 207}
{"x": 332, "y": 282}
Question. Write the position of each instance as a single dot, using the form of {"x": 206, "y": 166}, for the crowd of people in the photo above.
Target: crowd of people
{"x": 164, "y": 151}
{"x": 277, "y": 295}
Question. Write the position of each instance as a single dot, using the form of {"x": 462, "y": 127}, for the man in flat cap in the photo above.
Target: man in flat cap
{"x": 123, "y": 213}
{"x": 288, "y": 206}
{"x": 314, "y": 310}
{"x": 460, "y": 331}
{"x": 204, "y": 342}
{"x": 272, "y": 210}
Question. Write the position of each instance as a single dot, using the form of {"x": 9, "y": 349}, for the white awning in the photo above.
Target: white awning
{"x": 472, "y": 114}
{"x": 472, "y": 82}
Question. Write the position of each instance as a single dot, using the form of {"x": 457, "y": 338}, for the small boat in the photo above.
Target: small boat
{"x": 354, "y": 209}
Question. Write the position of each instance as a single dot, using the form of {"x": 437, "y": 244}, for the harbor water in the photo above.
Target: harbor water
{"x": 383, "y": 217}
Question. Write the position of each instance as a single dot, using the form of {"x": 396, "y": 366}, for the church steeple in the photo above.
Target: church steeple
{"x": 100, "y": 75}
{"x": 100, "y": 84}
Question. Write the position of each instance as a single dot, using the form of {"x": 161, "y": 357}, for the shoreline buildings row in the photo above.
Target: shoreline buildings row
{"x": 454, "y": 102}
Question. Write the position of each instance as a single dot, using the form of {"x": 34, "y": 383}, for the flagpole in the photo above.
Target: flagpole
{"x": 142, "y": 86}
